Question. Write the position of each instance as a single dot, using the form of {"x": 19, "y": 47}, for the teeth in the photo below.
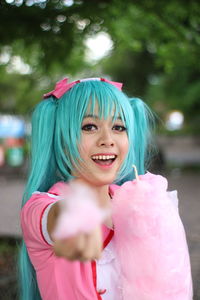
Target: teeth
{"x": 103, "y": 157}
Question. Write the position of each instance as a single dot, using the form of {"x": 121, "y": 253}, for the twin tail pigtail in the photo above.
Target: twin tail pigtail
{"x": 43, "y": 163}
{"x": 143, "y": 133}
{"x": 41, "y": 177}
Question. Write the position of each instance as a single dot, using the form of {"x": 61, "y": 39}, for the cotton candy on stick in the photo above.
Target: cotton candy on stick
{"x": 150, "y": 241}
{"x": 79, "y": 211}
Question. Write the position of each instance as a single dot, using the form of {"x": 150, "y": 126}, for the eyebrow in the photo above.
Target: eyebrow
{"x": 97, "y": 117}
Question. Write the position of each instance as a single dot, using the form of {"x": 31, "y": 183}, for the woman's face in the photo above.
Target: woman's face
{"x": 103, "y": 148}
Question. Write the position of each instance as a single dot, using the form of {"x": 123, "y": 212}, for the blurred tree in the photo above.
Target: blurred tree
{"x": 156, "y": 55}
{"x": 49, "y": 32}
{"x": 155, "y": 46}
{"x": 19, "y": 93}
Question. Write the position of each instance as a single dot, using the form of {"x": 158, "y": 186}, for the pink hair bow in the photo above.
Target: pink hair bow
{"x": 63, "y": 86}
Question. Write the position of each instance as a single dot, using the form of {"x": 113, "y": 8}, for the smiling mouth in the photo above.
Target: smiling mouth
{"x": 104, "y": 160}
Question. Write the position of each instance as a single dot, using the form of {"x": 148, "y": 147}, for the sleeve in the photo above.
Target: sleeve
{"x": 44, "y": 224}
{"x": 32, "y": 221}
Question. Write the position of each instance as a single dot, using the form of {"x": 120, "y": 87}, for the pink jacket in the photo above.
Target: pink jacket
{"x": 57, "y": 278}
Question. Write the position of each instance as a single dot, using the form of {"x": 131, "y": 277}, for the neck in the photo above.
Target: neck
{"x": 103, "y": 195}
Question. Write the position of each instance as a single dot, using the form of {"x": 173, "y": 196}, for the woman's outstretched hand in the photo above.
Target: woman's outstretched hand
{"x": 83, "y": 246}
{"x": 74, "y": 223}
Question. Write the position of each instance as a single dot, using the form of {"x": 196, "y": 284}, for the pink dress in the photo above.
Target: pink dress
{"x": 56, "y": 276}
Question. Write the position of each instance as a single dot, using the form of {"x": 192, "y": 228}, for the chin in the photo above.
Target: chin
{"x": 104, "y": 181}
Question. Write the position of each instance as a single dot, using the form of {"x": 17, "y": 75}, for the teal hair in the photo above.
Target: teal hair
{"x": 84, "y": 96}
{"x": 56, "y": 133}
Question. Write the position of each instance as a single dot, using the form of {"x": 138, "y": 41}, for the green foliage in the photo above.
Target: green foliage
{"x": 18, "y": 93}
{"x": 8, "y": 246}
{"x": 49, "y": 33}
{"x": 155, "y": 49}
{"x": 156, "y": 54}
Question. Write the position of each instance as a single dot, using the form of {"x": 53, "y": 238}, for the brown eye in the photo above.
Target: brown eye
{"x": 89, "y": 127}
{"x": 119, "y": 128}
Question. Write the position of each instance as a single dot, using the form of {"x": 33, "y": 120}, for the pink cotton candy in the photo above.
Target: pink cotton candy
{"x": 80, "y": 211}
{"x": 150, "y": 241}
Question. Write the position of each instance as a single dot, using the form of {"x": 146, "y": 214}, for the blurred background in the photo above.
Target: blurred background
{"x": 151, "y": 46}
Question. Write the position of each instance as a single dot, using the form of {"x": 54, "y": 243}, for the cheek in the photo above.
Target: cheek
{"x": 124, "y": 145}
{"x": 84, "y": 146}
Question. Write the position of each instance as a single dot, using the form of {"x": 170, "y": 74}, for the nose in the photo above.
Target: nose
{"x": 106, "y": 139}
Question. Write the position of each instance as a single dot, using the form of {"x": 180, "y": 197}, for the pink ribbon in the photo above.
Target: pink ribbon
{"x": 63, "y": 86}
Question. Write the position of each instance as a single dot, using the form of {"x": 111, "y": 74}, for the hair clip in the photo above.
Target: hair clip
{"x": 63, "y": 86}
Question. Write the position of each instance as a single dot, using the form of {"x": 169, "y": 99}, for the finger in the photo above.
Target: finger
{"x": 70, "y": 247}
{"x": 78, "y": 248}
{"x": 94, "y": 247}
{"x": 80, "y": 243}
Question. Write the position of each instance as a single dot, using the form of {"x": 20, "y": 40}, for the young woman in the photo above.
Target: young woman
{"x": 87, "y": 133}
